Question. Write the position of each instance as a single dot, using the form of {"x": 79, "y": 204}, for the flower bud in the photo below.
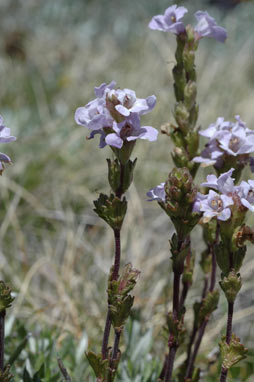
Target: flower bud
{"x": 231, "y": 285}
{"x": 111, "y": 209}
{"x": 206, "y": 262}
{"x": 176, "y": 329}
{"x": 208, "y": 305}
{"x": 180, "y": 195}
{"x": 190, "y": 93}
{"x": 182, "y": 117}
{"x": 118, "y": 174}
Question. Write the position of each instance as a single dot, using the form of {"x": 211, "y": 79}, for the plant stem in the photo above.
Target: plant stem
{"x": 229, "y": 322}
{"x": 2, "y": 322}
{"x": 116, "y": 344}
{"x": 224, "y": 371}
{"x": 174, "y": 346}
{"x": 170, "y": 363}
{"x": 192, "y": 357}
{"x": 186, "y": 284}
{"x": 196, "y": 349}
{"x": 104, "y": 349}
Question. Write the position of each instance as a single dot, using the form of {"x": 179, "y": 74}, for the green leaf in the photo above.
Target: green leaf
{"x": 111, "y": 209}
{"x": 100, "y": 366}
{"x": 26, "y": 376}
{"x": 18, "y": 350}
{"x": 233, "y": 352}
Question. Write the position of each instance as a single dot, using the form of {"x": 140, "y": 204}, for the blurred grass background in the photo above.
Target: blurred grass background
{"x": 55, "y": 252}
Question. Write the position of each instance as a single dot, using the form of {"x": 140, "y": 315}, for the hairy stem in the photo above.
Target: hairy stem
{"x": 174, "y": 346}
{"x": 196, "y": 349}
{"x": 224, "y": 371}
{"x": 191, "y": 357}
{"x": 116, "y": 344}
{"x": 170, "y": 363}
{"x": 186, "y": 284}
{"x": 104, "y": 349}
{"x": 2, "y": 322}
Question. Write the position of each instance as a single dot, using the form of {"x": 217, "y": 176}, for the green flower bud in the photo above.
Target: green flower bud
{"x": 190, "y": 36}
{"x": 175, "y": 329}
{"x": 5, "y": 297}
{"x": 206, "y": 261}
{"x": 188, "y": 270}
{"x": 180, "y": 195}
{"x": 209, "y": 231}
{"x": 182, "y": 117}
{"x": 192, "y": 140}
{"x": 208, "y": 305}
{"x": 193, "y": 116}
{"x": 189, "y": 63}
{"x": 222, "y": 257}
{"x": 111, "y": 209}
{"x": 231, "y": 285}
{"x": 232, "y": 353}
{"x": 118, "y": 174}
{"x": 190, "y": 93}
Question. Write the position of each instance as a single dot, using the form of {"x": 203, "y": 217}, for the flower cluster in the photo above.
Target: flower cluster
{"x": 115, "y": 115}
{"x": 226, "y": 139}
{"x": 170, "y": 22}
{"x": 217, "y": 204}
{"x": 5, "y": 137}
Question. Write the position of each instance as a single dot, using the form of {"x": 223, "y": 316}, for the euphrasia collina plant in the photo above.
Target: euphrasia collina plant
{"x": 221, "y": 210}
{"x": 221, "y": 207}
{"x": 115, "y": 115}
{"x": 5, "y": 293}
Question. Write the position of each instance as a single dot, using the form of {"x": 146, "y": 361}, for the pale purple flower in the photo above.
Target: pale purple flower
{"x": 245, "y": 191}
{"x": 95, "y": 115}
{"x": 225, "y": 139}
{"x": 207, "y": 27}
{"x": 224, "y": 183}
{"x": 215, "y": 205}
{"x": 102, "y": 134}
{"x": 157, "y": 193}
{"x": 169, "y": 22}
{"x": 101, "y": 90}
{"x": 215, "y": 129}
{"x": 117, "y": 110}
{"x": 5, "y": 132}
{"x": 126, "y": 102}
{"x": 197, "y": 203}
{"x": 130, "y": 130}
{"x": 5, "y": 137}
{"x": 210, "y": 155}
{"x": 237, "y": 141}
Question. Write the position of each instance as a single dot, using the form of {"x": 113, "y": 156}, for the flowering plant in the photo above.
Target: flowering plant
{"x": 115, "y": 115}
